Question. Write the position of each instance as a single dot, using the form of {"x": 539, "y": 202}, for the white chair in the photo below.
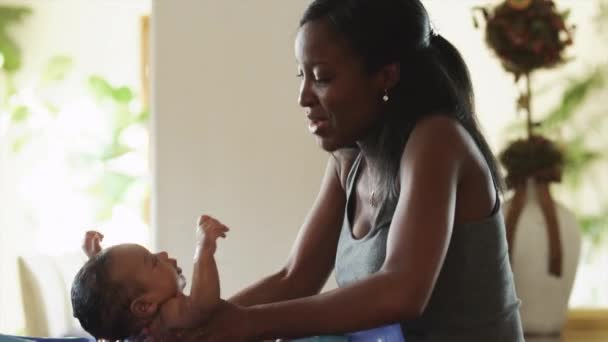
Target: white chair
{"x": 45, "y": 288}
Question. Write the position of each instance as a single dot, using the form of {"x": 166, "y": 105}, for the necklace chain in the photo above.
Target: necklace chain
{"x": 372, "y": 199}
{"x": 372, "y": 195}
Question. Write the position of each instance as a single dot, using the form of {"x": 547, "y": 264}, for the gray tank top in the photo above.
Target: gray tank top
{"x": 474, "y": 297}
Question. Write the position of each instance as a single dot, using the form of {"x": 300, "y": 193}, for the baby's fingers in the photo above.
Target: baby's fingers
{"x": 91, "y": 244}
{"x": 203, "y": 218}
{"x": 220, "y": 230}
{"x": 93, "y": 235}
{"x": 206, "y": 222}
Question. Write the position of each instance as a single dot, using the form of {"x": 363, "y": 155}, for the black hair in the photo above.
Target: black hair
{"x": 101, "y": 304}
{"x": 434, "y": 77}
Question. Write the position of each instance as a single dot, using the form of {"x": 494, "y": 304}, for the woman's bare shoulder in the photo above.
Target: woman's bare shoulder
{"x": 444, "y": 136}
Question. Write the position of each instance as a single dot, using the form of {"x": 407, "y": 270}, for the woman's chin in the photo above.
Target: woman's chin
{"x": 327, "y": 145}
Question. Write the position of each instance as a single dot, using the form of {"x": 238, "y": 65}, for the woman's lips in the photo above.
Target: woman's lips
{"x": 317, "y": 125}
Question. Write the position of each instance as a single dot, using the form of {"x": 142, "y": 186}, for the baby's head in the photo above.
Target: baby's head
{"x": 119, "y": 291}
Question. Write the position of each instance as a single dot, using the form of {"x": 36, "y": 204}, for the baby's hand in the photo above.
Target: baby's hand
{"x": 209, "y": 230}
{"x": 91, "y": 245}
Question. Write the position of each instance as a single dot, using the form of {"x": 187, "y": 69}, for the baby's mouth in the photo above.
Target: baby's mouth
{"x": 181, "y": 281}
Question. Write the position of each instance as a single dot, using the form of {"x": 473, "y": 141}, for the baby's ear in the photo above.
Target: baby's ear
{"x": 143, "y": 307}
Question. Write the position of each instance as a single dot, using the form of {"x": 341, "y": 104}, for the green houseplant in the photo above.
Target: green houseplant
{"x": 73, "y": 153}
{"x": 21, "y": 105}
{"x": 543, "y": 236}
{"x": 578, "y": 126}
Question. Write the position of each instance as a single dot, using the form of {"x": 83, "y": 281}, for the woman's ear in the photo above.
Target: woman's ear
{"x": 389, "y": 75}
{"x": 143, "y": 307}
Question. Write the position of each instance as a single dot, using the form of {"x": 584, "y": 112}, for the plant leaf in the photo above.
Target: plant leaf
{"x": 19, "y": 143}
{"x": 11, "y": 55}
{"x": 57, "y": 69}
{"x": 100, "y": 88}
{"x": 20, "y": 114}
{"x": 572, "y": 98}
{"x": 122, "y": 94}
{"x": 9, "y": 49}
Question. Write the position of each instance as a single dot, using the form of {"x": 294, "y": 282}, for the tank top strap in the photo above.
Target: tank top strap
{"x": 352, "y": 175}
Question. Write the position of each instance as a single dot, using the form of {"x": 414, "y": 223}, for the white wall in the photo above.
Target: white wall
{"x": 230, "y": 140}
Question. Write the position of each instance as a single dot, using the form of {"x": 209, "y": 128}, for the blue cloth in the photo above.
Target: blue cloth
{"x": 9, "y": 338}
{"x": 6, "y": 338}
{"x": 322, "y": 339}
{"x": 389, "y": 333}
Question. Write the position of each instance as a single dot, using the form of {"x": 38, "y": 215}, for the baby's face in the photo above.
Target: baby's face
{"x": 158, "y": 274}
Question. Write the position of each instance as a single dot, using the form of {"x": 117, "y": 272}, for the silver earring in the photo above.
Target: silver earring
{"x": 385, "y": 97}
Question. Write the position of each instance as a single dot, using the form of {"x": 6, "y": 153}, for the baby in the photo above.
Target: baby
{"x": 126, "y": 292}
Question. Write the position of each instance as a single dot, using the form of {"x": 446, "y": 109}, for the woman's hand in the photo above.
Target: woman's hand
{"x": 228, "y": 323}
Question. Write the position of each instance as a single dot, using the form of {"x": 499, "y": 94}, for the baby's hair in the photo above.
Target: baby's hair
{"x": 102, "y": 305}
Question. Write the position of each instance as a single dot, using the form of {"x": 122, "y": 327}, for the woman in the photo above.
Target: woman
{"x": 408, "y": 210}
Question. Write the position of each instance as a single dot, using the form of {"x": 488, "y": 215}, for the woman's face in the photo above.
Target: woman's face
{"x": 342, "y": 101}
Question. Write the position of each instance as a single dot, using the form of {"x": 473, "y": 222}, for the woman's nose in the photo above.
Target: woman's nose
{"x": 163, "y": 255}
{"x": 306, "y": 97}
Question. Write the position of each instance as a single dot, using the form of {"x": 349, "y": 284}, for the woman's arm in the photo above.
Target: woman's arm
{"x": 312, "y": 257}
{"x": 417, "y": 244}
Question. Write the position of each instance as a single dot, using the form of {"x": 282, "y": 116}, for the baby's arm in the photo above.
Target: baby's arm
{"x": 91, "y": 245}
{"x": 189, "y": 311}
{"x": 205, "y": 292}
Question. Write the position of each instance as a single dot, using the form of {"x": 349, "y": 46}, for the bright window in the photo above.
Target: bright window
{"x": 73, "y": 133}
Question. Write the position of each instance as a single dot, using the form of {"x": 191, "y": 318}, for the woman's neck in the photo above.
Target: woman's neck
{"x": 370, "y": 158}
{"x": 368, "y": 145}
